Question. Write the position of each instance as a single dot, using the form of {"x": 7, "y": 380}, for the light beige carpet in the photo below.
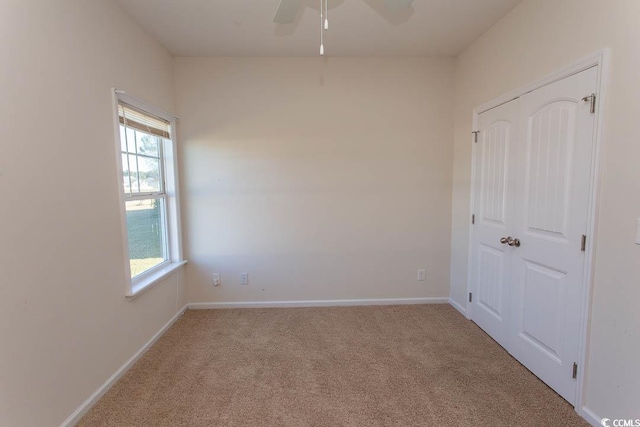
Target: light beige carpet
{"x": 342, "y": 366}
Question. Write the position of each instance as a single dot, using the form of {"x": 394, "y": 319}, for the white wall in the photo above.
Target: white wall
{"x": 321, "y": 178}
{"x": 536, "y": 38}
{"x": 65, "y": 325}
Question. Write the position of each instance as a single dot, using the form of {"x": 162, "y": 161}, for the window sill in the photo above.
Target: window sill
{"x": 153, "y": 279}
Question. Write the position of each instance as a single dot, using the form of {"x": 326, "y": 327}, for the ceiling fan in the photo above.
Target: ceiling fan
{"x": 288, "y": 9}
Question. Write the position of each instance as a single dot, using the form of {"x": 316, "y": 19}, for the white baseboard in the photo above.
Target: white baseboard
{"x": 458, "y": 307}
{"x": 315, "y": 303}
{"x": 590, "y": 417}
{"x": 87, "y": 404}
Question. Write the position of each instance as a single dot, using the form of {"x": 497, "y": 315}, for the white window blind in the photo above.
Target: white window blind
{"x": 134, "y": 118}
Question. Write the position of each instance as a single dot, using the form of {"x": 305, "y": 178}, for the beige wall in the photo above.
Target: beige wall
{"x": 323, "y": 179}
{"x": 536, "y": 38}
{"x": 65, "y": 325}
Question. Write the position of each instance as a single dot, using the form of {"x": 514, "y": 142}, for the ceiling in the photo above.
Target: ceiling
{"x": 356, "y": 27}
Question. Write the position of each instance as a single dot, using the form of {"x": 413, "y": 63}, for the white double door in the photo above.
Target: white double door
{"x": 531, "y": 192}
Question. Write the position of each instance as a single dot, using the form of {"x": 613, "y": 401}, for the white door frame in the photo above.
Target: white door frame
{"x": 601, "y": 60}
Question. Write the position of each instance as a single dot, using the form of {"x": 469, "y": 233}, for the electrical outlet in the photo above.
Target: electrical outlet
{"x": 216, "y": 279}
{"x": 244, "y": 278}
{"x": 422, "y": 275}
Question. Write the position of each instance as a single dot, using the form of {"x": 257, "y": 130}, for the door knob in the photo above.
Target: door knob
{"x": 510, "y": 241}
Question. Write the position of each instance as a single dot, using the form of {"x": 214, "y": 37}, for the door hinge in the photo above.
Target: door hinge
{"x": 583, "y": 244}
{"x": 470, "y": 297}
{"x": 475, "y": 135}
{"x": 592, "y": 100}
{"x": 575, "y": 370}
{"x": 473, "y": 219}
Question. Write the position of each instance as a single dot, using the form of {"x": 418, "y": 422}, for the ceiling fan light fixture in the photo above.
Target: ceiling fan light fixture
{"x": 288, "y": 10}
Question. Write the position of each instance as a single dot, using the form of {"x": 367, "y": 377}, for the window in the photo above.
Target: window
{"x": 149, "y": 192}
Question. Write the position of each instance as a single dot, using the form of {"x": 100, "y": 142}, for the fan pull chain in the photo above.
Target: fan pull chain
{"x": 321, "y": 29}
{"x": 326, "y": 15}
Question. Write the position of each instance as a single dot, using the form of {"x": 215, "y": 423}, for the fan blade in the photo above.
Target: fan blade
{"x": 398, "y": 4}
{"x": 287, "y": 11}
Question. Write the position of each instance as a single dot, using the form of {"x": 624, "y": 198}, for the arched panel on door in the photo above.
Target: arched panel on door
{"x": 549, "y": 167}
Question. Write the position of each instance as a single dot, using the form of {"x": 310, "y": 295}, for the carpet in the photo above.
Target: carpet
{"x": 419, "y": 365}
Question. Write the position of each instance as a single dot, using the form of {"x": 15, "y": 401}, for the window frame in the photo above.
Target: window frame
{"x": 170, "y": 195}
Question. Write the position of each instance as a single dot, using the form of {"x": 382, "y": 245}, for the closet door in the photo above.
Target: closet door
{"x": 494, "y": 186}
{"x": 557, "y": 132}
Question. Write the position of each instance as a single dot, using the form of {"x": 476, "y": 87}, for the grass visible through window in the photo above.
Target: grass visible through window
{"x": 145, "y": 225}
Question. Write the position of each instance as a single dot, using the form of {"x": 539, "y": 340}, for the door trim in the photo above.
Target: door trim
{"x": 598, "y": 59}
